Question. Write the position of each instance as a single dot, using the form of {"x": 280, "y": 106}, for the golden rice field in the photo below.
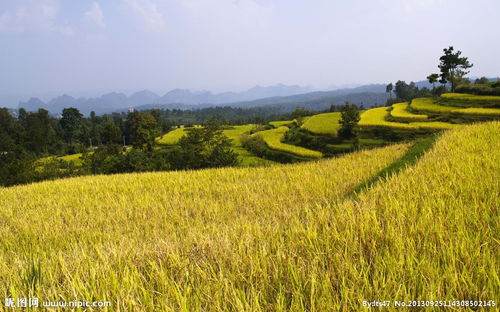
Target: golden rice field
{"x": 172, "y": 137}
{"x": 400, "y": 111}
{"x": 273, "y": 139}
{"x": 464, "y": 99}
{"x": 431, "y": 106}
{"x": 246, "y": 158}
{"x": 248, "y": 239}
{"x": 327, "y": 123}
{"x": 234, "y": 133}
{"x": 478, "y": 111}
{"x": 280, "y": 123}
{"x": 376, "y": 117}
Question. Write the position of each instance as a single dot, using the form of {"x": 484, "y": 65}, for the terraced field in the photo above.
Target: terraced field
{"x": 418, "y": 233}
{"x": 280, "y": 123}
{"x": 188, "y": 240}
{"x": 280, "y": 238}
{"x": 432, "y": 106}
{"x": 376, "y": 117}
{"x": 172, "y": 137}
{"x": 246, "y": 158}
{"x": 273, "y": 139}
{"x": 469, "y": 100}
{"x": 400, "y": 112}
{"x": 327, "y": 123}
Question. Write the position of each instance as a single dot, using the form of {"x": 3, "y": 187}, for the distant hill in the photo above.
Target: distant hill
{"x": 369, "y": 95}
{"x": 178, "y": 98}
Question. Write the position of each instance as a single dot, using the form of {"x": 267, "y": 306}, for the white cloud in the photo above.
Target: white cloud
{"x": 34, "y": 16}
{"x": 147, "y": 11}
{"x": 94, "y": 15}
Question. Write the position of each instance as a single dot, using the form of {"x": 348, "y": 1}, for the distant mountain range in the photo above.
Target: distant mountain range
{"x": 178, "y": 98}
{"x": 368, "y": 95}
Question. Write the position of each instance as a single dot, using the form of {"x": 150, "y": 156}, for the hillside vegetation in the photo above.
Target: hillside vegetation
{"x": 376, "y": 117}
{"x": 218, "y": 239}
{"x": 287, "y": 237}
{"x": 400, "y": 112}
{"x": 327, "y": 123}
{"x": 273, "y": 138}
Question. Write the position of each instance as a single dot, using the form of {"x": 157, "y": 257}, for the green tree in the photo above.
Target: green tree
{"x": 388, "y": 89}
{"x": 453, "y": 67}
{"x": 349, "y": 119}
{"x": 433, "y": 78}
{"x": 72, "y": 124}
{"x": 203, "y": 147}
{"x": 300, "y": 113}
{"x": 482, "y": 80}
{"x": 142, "y": 129}
{"x": 110, "y": 133}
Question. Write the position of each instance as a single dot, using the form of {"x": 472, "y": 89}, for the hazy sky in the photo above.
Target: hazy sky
{"x": 89, "y": 47}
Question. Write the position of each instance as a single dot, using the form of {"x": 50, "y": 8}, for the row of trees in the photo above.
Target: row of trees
{"x": 30, "y": 136}
{"x": 453, "y": 68}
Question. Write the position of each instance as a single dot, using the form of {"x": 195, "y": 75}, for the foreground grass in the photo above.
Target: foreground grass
{"x": 429, "y": 233}
{"x": 221, "y": 239}
{"x": 273, "y": 139}
{"x": 327, "y": 123}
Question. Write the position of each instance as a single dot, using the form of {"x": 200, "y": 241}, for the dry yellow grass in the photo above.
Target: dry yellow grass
{"x": 219, "y": 239}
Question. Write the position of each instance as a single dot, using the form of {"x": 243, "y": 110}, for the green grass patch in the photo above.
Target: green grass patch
{"x": 400, "y": 112}
{"x": 469, "y": 100}
{"x": 280, "y": 123}
{"x": 327, "y": 123}
{"x": 172, "y": 137}
{"x": 273, "y": 139}
{"x": 376, "y": 117}
{"x": 411, "y": 156}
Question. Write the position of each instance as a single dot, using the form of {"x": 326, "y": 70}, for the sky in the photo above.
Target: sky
{"x": 90, "y": 47}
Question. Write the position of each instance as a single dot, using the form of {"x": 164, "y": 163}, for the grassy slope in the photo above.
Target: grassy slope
{"x": 431, "y": 106}
{"x": 430, "y": 232}
{"x": 399, "y": 111}
{"x": 280, "y": 123}
{"x": 246, "y": 158}
{"x": 327, "y": 123}
{"x": 220, "y": 239}
{"x": 375, "y": 117}
{"x": 469, "y": 100}
{"x": 273, "y": 140}
{"x": 172, "y": 137}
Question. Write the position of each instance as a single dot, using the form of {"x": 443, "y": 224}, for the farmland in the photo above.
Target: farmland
{"x": 400, "y": 112}
{"x": 327, "y": 123}
{"x": 432, "y": 106}
{"x": 469, "y": 100}
{"x": 376, "y": 117}
{"x": 285, "y": 237}
{"x": 173, "y": 240}
{"x": 273, "y": 139}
